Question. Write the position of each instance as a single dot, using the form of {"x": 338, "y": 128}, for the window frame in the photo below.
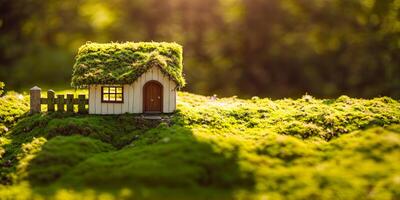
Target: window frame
{"x": 114, "y": 93}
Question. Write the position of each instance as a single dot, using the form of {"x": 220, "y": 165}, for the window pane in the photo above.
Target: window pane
{"x": 119, "y": 97}
{"x": 105, "y": 89}
{"x": 105, "y": 97}
{"x": 112, "y": 97}
{"x": 112, "y": 89}
{"x": 119, "y": 89}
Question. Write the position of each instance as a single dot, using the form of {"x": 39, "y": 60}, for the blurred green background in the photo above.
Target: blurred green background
{"x": 268, "y": 48}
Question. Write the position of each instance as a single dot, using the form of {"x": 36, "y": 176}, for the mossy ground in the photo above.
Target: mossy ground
{"x": 227, "y": 148}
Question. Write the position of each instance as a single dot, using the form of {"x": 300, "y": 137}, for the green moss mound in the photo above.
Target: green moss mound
{"x": 123, "y": 63}
{"x": 226, "y": 148}
{"x": 61, "y": 154}
{"x": 13, "y": 106}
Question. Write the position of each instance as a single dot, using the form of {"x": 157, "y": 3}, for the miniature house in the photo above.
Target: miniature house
{"x": 130, "y": 77}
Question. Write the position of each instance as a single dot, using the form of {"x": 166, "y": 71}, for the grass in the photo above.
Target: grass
{"x": 227, "y": 148}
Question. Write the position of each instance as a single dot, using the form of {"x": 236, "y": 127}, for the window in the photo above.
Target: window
{"x": 112, "y": 94}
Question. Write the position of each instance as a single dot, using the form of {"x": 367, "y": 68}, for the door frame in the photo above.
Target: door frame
{"x": 161, "y": 96}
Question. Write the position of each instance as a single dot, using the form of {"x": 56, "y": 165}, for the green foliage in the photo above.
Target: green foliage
{"x": 123, "y": 63}
{"x": 12, "y": 107}
{"x": 1, "y": 88}
{"x": 225, "y": 148}
{"x": 274, "y": 48}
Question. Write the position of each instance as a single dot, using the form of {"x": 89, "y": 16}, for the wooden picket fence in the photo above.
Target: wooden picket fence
{"x": 60, "y": 102}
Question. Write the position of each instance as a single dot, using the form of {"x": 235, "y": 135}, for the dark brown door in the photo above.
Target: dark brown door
{"x": 152, "y": 97}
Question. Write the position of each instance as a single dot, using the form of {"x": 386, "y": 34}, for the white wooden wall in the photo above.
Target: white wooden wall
{"x": 133, "y": 95}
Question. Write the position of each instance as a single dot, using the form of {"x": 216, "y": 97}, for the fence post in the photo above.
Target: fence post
{"x": 50, "y": 101}
{"x": 70, "y": 103}
{"x": 35, "y": 100}
{"x": 81, "y": 103}
{"x": 60, "y": 103}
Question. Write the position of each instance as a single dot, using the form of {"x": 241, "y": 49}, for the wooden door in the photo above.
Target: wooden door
{"x": 152, "y": 97}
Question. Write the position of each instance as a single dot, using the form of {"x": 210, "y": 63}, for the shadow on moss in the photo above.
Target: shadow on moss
{"x": 106, "y": 153}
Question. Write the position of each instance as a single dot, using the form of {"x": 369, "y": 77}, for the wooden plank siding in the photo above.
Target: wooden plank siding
{"x": 97, "y": 100}
{"x": 92, "y": 99}
{"x": 125, "y": 106}
{"x": 166, "y": 102}
{"x": 133, "y": 95}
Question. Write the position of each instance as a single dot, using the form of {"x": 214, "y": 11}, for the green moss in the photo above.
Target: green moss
{"x": 226, "y": 148}
{"x": 61, "y": 154}
{"x": 1, "y": 88}
{"x": 13, "y": 106}
{"x": 123, "y": 63}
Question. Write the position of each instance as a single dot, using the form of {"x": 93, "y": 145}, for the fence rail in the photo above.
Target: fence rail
{"x": 52, "y": 101}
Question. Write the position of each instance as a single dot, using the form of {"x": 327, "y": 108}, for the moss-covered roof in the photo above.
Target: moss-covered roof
{"x": 123, "y": 63}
